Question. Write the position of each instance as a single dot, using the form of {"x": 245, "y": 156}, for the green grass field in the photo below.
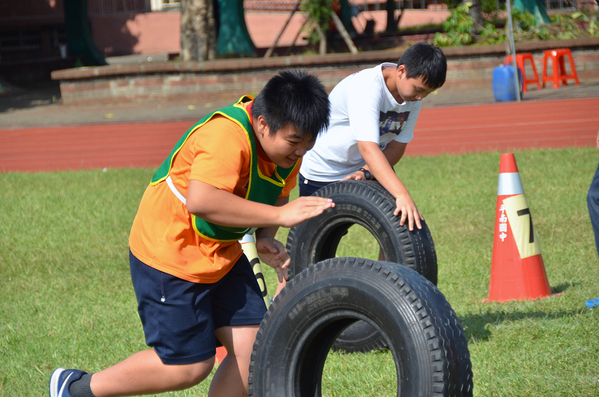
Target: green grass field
{"x": 66, "y": 297}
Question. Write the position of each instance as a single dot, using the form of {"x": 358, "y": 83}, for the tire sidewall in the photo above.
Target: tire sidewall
{"x": 369, "y": 205}
{"x": 363, "y": 295}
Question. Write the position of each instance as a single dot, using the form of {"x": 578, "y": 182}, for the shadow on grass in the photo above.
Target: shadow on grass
{"x": 477, "y": 326}
{"x": 558, "y": 289}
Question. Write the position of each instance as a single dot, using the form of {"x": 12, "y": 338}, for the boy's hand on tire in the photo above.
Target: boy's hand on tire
{"x": 356, "y": 176}
{"x": 273, "y": 253}
{"x": 302, "y": 209}
{"x": 409, "y": 211}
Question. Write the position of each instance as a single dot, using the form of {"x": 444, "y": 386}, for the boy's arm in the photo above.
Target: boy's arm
{"x": 225, "y": 208}
{"x": 380, "y": 167}
{"x": 394, "y": 151}
{"x": 271, "y": 251}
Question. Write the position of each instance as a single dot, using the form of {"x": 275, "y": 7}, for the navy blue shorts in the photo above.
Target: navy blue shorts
{"x": 308, "y": 187}
{"x": 179, "y": 317}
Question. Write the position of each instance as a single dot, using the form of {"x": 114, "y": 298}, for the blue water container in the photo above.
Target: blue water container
{"x": 503, "y": 83}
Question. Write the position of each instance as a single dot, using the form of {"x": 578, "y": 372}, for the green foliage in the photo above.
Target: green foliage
{"x": 313, "y": 38}
{"x": 562, "y": 27}
{"x": 319, "y": 13}
{"x": 590, "y": 24}
{"x": 523, "y": 20}
{"x": 593, "y": 29}
{"x": 459, "y": 28}
{"x": 489, "y": 6}
{"x": 490, "y": 35}
{"x": 451, "y": 4}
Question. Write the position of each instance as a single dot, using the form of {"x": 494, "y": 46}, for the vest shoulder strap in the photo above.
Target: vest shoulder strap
{"x": 233, "y": 112}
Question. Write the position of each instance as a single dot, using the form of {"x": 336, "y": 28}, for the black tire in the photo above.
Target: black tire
{"x": 422, "y": 331}
{"x": 368, "y": 204}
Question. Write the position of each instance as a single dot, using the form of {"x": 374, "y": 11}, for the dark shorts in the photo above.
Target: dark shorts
{"x": 307, "y": 187}
{"x": 179, "y": 317}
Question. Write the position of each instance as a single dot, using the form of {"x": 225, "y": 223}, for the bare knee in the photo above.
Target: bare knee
{"x": 190, "y": 375}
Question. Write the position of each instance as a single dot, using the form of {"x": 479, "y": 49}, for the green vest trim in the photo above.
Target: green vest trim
{"x": 261, "y": 188}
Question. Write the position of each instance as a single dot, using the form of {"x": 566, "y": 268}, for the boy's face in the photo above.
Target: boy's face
{"x": 285, "y": 146}
{"x": 411, "y": 89}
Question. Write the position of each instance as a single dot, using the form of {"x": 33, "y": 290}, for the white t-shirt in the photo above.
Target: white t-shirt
{"x": 362, "y": 109}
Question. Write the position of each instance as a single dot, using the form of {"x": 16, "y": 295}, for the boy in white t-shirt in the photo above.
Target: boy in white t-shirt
{"x": 373, "y": 114}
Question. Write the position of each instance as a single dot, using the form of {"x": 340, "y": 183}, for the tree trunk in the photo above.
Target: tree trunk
{"x": 476, "y": 14}
{"x": 343, "y": 32}
{"x": 391, "y": 22}
{"x": 198, "y": 30}
{"x": 322, "y": 48}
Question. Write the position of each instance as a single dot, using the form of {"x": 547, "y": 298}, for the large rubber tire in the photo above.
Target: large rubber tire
{"x": 421, "y": 329}
{"x": 368, "y": 204}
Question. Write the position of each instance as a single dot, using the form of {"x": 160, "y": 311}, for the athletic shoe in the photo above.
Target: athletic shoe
{"x": 61, "y": 380}
{"x": 593, "y": 303}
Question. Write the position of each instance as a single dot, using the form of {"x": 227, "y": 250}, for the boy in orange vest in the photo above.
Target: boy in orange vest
{"x": 231, "y": 172}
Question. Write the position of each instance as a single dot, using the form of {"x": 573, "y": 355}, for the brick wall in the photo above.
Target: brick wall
{"x": 147, "y": 33}
{"x": 178, "y": 81}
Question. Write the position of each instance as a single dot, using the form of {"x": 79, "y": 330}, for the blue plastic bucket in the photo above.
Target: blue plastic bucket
{"x": 503, "y": 83}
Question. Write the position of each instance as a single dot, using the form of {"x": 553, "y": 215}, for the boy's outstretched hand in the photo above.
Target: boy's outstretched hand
{"x": 409, "y": 211}
{"x": 274, "y": 254}
{"x": 290, "y": 214}
{"x": 302, "y": 209}
{"x": 356, "y": 176}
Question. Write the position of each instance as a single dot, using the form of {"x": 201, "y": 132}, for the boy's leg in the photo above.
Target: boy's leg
{"x": 237, "y": 309}
{"x": 231, "y": 378}
{"x": 176, "y": 315}
{"x": 593, "y": 206}
{"x": 144, "y": 373}
{"x": 177, "y": 321}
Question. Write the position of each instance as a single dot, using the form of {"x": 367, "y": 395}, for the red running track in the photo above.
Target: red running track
{"x": 506, "y": 127}
{"x": 452, "y": 130}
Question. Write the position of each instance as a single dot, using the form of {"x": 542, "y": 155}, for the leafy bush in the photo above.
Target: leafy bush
{"x": 319, "y": 13}
{"x": 590, "y": 24}
{"x": 459, "y": 28}
{"x": 489, "y": 6}
{"x": 451, "y": 4}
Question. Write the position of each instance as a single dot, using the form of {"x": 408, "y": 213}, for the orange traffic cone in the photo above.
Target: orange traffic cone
{"x": 221, "y": 353}
{"x": 517, "y": 270}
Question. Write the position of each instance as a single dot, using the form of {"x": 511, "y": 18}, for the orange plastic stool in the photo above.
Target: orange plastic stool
{"x": 520, "y": 58}
{"x": 558, "y": 69}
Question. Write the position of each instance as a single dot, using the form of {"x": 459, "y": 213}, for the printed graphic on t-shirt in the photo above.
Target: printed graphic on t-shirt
{"x": 392, "y": 122}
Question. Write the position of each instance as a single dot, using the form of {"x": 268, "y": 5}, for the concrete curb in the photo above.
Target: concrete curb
{"x": 240, "y": 64}
{"x": 146, "y": 82}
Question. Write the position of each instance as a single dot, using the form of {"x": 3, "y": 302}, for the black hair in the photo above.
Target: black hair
{"x": 296, "y": 98}
{"x": 426, "y": 61}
